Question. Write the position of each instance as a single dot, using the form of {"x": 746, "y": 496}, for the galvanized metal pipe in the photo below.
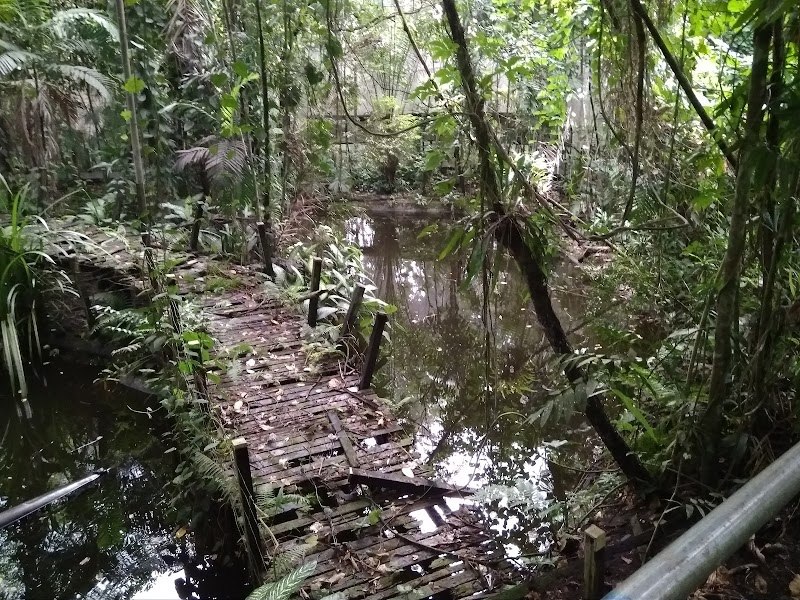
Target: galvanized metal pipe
{"x": 12, "y": 515}
{"x": 686, "y": 563}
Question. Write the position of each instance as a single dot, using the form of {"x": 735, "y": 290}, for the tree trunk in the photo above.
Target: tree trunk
{"x": 508, "y": 233}
{"x": 136, "y": 150}
{"x": 267, "y": 195}
{"x": 728, "y": 285}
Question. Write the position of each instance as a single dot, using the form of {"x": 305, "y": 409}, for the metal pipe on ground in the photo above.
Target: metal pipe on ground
{"x": 12, "y": 515}
{"x": 686, "y": 563}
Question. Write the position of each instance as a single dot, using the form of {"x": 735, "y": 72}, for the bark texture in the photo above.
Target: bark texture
{"x": 728, "y": 287}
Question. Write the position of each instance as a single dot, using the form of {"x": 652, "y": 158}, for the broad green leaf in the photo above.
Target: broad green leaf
{"x": 452, "y": 243}
{"x": 218, "y": 79}
{"x": 241, "y": 69}
{"x": 634, "y": 410}
{"x": 134, "y": 85}
{"x": 433, "y": 159}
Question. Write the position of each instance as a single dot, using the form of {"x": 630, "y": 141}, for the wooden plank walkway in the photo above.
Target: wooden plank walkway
{"x": 382, "y": 528}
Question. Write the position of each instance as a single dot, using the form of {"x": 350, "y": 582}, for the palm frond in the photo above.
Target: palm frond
{"x": 192, "y": 156}
{"x": 78, "y": 46}
{"x": 226, "y": 159}
{"x": 14, "y": 59}
{"x": 9, "y": 45}
{"x": 90, "y": 77}
{"x": 59, "y": 21}
{"x": 185, "y": 27}
{"x": 284, "y": 588}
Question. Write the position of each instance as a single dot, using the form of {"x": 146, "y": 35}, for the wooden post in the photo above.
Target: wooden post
{"x": 593, "y": 562}
{"x": 313, "y": 301}
{"x": 147, "y": 239}
{"x": 87, "y": 304}
{"x": 266, "y": 248}
{"x": 151, "y": 269}
{"x": 373, "y": 350}
{"x": 198, "y": 216}
{"x": 245, "y": 478}
{"x": 352, "y": 311}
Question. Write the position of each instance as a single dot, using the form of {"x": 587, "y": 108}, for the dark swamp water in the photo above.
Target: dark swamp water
{"x": 116, "y": 541}
{"x": 470, "y": 419}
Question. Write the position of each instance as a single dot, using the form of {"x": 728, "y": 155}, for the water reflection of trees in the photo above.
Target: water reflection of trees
{"x": 105, "y": 542}
{"x": 439, "y": 355}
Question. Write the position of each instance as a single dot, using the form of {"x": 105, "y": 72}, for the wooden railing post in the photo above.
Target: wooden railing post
{"x": 593, "y": 562}
{"x": 373, "y": 350}
{"x": 266, "y": 248}
{"x": 87, "y": 304}
{"x": 313, "y": 300}
{"x": 245, "y": 479}
{"x": 198, "y": 216}
{"x": 352, "y": 311}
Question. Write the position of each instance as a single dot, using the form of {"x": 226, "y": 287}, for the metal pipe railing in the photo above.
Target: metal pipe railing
{"x": 686, "y": 563}
{"x": 12, "y": 515}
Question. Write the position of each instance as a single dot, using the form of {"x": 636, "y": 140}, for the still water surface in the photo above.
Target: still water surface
{"x": 112, "y": 541}
{"x": 470, "y": 419}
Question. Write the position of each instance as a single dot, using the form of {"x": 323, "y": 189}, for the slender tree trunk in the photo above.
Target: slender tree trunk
{"x": 508, "y": 233}
{"x": 728, "y": 285}
{"x": 136, "y": 150}
{"x": 769, "y": 220}
{"x": 267, "y": 151}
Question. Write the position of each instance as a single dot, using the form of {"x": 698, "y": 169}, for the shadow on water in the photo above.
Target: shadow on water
{"x": 113, "y": 540}
{"x": 467, "y": 389}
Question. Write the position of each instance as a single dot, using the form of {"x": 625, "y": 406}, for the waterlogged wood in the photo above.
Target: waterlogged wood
{"x": 310, "y": 430}
{"x": 247, "y": 493}
{"x": 352, "y": 311}
{"x": 405, "y": 484}
{"x": 373, "y": 350}
{"x": 313, "y": 300}
{"x": 347, "y": 445}
{"x": 593, "y": 562}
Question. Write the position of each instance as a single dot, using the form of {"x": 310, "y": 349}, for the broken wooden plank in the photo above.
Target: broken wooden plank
{"x": 405, "y": 484}
{"x": 347, "y": 446}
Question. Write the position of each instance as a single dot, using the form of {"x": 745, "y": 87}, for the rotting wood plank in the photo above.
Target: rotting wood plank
{"x": 347, "y": 446}
{"x": 303, "y": 521}
{"x": 405, "y": 484}
{"x": 394, "y": 456}
{"x": 285, "y": 414}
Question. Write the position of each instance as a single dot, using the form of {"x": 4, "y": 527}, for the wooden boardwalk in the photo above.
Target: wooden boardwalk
{"x": 381, "y": 527}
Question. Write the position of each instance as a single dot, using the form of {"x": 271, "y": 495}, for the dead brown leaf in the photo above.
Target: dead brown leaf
{"x": 794, "y": 586}
{"x": 761, "y": 584}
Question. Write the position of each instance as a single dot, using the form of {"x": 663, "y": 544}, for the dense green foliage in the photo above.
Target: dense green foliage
{"x": 662, "y": 133}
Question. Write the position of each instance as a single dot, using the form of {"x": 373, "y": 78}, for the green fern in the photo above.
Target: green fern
{"x": 270, "y": 503}
{"x": 284, "y": 588}
{"x": 212, "y": 471}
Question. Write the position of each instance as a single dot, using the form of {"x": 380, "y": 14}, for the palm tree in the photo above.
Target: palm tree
{"x": 45, "y": 77}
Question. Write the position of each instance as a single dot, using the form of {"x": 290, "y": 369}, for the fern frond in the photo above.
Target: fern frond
{"x": 286, "y": 586}
{"x": 287, "y": 559}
